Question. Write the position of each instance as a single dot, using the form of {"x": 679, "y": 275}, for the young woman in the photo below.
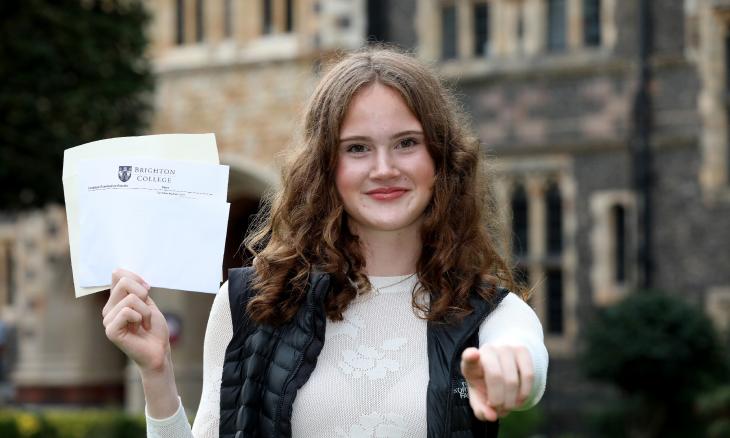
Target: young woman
{"x": 373, "y": 305}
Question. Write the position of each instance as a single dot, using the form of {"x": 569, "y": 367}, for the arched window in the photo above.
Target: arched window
{"x": 199, "y": 21}
{"x": 277, "y": 16}
{"x": 7, "y": 267}
{"x": 289, "y": 18}
{"x": 556, "y": 25}
{"x": 448, "y": 32}
{"x": 377, "y": 21}
{"x": 268, "y": 17}
{"x": 519, "y": 222}
{"x": 554, "y": 280}
{"x": 592, "y": 23}
{"x": 554, "y": 247}
{"x": 481, "y": 29}
{"x": 180, "y": 22}
{"x": 613, "y": 244}
{"x": 554, "y": 222}
{"x": 541, "y": 200}
{"x": 618, "y": 213}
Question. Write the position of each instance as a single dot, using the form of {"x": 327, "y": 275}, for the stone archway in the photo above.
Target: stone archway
{"x": 248, "y": 182}
{"x": 249, "y": 177}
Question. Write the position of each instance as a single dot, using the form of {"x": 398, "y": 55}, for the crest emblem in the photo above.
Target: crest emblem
{"x": 125, "y": 172}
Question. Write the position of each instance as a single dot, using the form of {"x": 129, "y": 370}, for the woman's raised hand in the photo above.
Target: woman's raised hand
{"x": 134, "y": 323}
{"x": 499, "y": 379}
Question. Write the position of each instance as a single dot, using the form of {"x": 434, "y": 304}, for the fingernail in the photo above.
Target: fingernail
{"x": 145, "y": 284}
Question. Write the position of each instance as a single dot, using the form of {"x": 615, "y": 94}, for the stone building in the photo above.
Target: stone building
{"x": 550, "y": 86}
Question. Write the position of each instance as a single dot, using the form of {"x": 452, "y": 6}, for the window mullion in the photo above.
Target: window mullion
{"x": 279, "y": 16}
{"x": 575, "y": 24}
{"x": 464, "y": 28}
{"x": 189, "y": 21}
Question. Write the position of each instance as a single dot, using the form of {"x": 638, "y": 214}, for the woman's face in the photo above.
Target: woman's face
{"x": 384, "y": 175}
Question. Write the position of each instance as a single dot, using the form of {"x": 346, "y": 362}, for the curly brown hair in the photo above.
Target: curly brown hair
{"x": 303, "y": 226}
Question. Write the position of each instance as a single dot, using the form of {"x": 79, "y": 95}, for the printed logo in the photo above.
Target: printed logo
{"x": 125, "y": 172}
{"x": 462, "y": 390}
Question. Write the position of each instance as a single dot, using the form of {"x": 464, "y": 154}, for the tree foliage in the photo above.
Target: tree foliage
{"x": 72, "y": 71}
{"x": 715, "y": 406}
{"x": 662, "y": 353}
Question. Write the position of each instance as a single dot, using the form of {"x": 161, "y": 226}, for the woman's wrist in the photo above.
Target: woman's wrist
{"x": 160, "y": 390}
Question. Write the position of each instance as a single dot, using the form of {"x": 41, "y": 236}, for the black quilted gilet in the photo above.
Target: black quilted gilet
{"x": 265, "y": 367}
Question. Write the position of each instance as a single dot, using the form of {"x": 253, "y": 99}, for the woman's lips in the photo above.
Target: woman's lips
{"x": 387, "y": 193}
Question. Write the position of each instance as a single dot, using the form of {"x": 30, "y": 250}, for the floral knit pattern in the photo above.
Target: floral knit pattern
{"x": 383, "y": 401}
{"x": 376, "y": 425}
{"x": 372, "y": 373}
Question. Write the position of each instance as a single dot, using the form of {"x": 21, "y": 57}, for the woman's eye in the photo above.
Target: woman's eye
{"x": 356, "y": 148}
{"x": 407, "y": 143}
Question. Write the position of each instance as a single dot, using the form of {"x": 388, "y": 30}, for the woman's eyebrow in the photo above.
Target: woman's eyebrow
{"x": 366, "y": 138}
{"x": 355, "y": 138}
{"x": 410, "y": 132}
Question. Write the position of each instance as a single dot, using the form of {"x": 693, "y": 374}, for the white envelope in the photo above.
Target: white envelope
{"x": 182, "y": 230}
{"x": 192, "y": 147}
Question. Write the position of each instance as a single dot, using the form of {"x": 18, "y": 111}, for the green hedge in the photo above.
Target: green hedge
{"x": 70, "y": 424}
{"x": 522, "y": 424}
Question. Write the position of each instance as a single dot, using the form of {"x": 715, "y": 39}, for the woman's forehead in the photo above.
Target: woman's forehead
{"x": 378, "y": 108}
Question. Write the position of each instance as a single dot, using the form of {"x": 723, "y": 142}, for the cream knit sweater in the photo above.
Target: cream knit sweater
{"x": 372, "y": 373}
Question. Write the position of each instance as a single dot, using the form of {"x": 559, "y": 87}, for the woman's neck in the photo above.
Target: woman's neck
{"x": 390, "y": 253}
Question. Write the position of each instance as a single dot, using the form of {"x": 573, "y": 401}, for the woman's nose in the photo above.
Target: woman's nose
{"x": 384, "y": 165}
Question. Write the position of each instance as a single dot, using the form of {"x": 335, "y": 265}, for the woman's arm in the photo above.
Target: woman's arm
{"x": 512, "y": 361}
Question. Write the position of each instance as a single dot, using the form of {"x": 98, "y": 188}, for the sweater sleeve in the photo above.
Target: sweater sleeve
{"x": 218, "y": 334}
{"x": 513, "y": 322}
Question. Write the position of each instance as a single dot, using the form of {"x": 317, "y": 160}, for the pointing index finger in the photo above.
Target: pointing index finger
{"x": 471, "y": 367}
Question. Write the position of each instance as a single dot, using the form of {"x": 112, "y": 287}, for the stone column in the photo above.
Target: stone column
{"x": 428, "y": 29}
